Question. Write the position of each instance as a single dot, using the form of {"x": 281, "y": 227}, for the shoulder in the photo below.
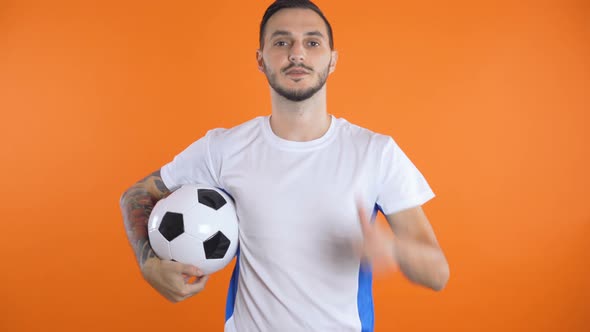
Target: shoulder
{"x": 239, "y": 133}
{"x": 361, "y": 136}
{"x": 222, "y": 142}
{"x": 240, "y": 129}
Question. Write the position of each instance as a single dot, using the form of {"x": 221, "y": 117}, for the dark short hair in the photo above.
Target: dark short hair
{"x": 286, "y": 4}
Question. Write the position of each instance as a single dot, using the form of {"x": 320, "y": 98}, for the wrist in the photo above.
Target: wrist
{"x": 148, "y": 266}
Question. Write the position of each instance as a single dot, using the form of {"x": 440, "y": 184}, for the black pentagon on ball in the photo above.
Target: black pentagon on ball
{"x": 172, "y": 225}
{"x": 216, "y": 246}
{"x": 211, "y": 198}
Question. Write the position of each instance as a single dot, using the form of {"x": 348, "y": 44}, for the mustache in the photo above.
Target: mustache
{"x": 291, "y": 66}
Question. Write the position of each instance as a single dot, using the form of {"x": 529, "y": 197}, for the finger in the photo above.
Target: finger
{"x": 191, "y": 270}
{"x": 365, "y": 225}
{"x": 196, "y": 287}
{"x": 188, "y": 279}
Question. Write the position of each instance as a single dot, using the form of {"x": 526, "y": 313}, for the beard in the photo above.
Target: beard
{"x": 296, "y": 94}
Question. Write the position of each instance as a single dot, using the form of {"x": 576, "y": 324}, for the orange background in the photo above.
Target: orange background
{"x": 489, "y": 99}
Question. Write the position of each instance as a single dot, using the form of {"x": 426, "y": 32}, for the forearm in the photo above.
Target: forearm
{"x": 136, "y": 206}
{"x": 421, "y": 263}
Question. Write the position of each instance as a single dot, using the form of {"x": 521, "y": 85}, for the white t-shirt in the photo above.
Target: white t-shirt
{"x": 296, "y": 270}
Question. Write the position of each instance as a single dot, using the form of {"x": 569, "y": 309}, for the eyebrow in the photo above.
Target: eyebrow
{"x": 287, "y": 33}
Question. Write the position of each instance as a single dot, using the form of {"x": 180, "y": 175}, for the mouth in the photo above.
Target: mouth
{"x": 296, "y": 73}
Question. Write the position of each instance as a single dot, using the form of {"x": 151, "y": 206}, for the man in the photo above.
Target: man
{"x": 302, "y": 181}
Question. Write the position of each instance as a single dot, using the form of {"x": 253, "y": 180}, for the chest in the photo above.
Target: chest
{"x": 289, "y": 195}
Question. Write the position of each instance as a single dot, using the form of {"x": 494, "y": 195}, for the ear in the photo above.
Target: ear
{"x": 333, "y": 61}
{"x": 259, "y": 60}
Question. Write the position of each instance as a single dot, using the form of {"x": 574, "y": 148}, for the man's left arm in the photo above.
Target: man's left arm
{"x": 416, "y": 249}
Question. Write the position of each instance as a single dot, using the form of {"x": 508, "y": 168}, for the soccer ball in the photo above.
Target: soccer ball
{"x": 195, "y": 225}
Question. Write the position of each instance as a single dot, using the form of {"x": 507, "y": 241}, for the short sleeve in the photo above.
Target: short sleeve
{"x": 197, "y": 164}
{"x": 402, "y": 186}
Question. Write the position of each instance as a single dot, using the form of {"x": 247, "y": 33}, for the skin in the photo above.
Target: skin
{"x": 175, "y": 281}
{"x": 300, "y": 37}
{"x": 294, "y": 40}
{"x": 308, "y": 119}
{"x": 414, "y": 249}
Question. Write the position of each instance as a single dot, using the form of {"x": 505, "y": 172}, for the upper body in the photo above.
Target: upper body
{"x": 284, "y": 195}
{"x": 298, "y": 221}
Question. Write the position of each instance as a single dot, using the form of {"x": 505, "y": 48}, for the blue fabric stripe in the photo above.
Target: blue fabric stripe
{"x": 233, "y": 282}
{"x": 365, "y": 298}
{"x": 377, "y": 208}
{"x": 365, "y": 290}
{"x": 233, "y": 288}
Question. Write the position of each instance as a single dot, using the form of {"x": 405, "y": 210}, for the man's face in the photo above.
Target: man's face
{"x": 296, "y": 56}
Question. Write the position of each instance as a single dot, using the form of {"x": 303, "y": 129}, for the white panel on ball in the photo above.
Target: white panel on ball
{"x": 159, "y": 244}
{"x": 228, "y": 221}
{"x": 188, "y": 249}
{"x": 201, "y": 221}
{"x": 182, "y": 199}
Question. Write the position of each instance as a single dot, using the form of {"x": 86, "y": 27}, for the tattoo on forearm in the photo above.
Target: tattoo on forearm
{"x": 137, "y": 204}
{"x": 160, "y": 185}
{"x": 146, "y": 251}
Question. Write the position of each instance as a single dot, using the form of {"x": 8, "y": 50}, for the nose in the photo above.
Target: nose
{"x": 296, "y": 54}
{"x": 296, "y": 58}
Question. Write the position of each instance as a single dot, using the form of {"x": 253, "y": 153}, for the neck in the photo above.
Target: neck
{"x": 300, "y": 121}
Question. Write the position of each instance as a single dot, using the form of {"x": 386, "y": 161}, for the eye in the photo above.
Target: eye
{"x": 314, "y": 43}
{"x": 280, "y": 43}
